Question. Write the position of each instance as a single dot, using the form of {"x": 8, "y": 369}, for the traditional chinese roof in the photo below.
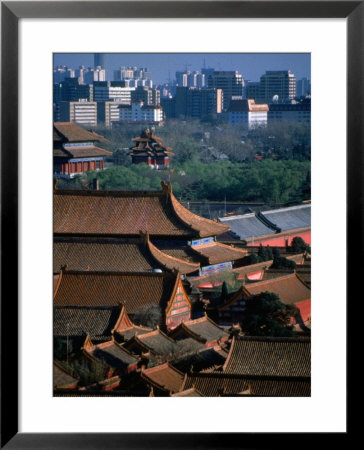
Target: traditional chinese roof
{"x": 204, "y": 358}
{"x": 216, "y": 253}
{"x": 133, "y": 289}
{"x": 125, "y": 329}
{"x": 155, "y": 341}
{"x": 114, "y": 255}
{"x": 75, "y": 321}
{"x": 112, "y": 354}
{"x": 202, "y": 329}
{"x": 126, "y": 213}
{"x": 192, "y": 392}
{"x": 290, "y": 288}
{"x": 149, "y": 145}
{"x": 214, "y": 384}
{"x": 80, "y": 152}
{"x": 266, "y": 223}
{"x": 269, "y": 356}
{"x": 164, "y": 377}
{"x": 71, "y": 132}
{"x": 291, "y": 218}
{"x": 62, "y": 379}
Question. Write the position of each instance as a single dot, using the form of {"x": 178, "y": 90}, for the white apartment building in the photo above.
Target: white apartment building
{"x": 138, "y": 112}
{"x": 246, "y": 112}
{"x": 108, "y": 92}
{"x": 82, "y": 112}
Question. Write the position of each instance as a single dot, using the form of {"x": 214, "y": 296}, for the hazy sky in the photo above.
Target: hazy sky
{"x": 165, "y": 65}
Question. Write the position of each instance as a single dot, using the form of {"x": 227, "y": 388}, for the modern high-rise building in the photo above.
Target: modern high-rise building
{"x": 71, "y": 90}
{"x": 82, "y": 112}
{"x": 112, "y": 90}
{"x": 134, "y": 76}
{"x": 281, "y": 83}
{"x": 252, "y": 90}
{"x": 231, "y": 83}
{"x": 197, "y": 102}
{"x": 100, "y": 60}
{"x": 303, "y": 87}
{"x": 60, "y": 73}
{"x": 147, "y": 95}
{"x": 94, "y": 74}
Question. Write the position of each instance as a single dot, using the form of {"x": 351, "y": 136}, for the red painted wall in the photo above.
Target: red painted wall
{"x": 281, "y": 241}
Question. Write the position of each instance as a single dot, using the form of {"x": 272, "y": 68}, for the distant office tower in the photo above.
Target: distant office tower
{"x": 60, "y": 73}
{"x": 277, "y": 82}
{"x": 182, "y": 79}
{"x": 197, "y": 102}
{"x": 148, "y": 96}
{"x": 303, "y": 87}
{"x": 94, "y": 74}
{"x": 207, "y": 71}
{"x": 134, "y": 76}
{"x": 231, "y": 83}
{"x": 71, "y": 90}
{"x": 252, "y": 90}
{"x": 112, "y": 90}
{"x": 100, "y": 60}
{"x": 81, "y": 112}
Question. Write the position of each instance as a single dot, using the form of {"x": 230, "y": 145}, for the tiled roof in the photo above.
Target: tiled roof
{"x": 114, "y": 255}
{"x": 184, "y": 252}
{"x": 112, "y": 354}
{"x": 113, "y": 288}
{"x": 172, "y": 262}
{"x": 155, "y": 341}
{"x": 102, "y": 254}
{"x": 164, "y": 377}
{"x": 290, "y": 288}
{"x": 290, "y": 218}
{"x": 126, "y": 213}
{"x": 61, "y": 378}
{"x": 192, "y": 392}
{"x": 217, "y": 253}
{"x": 125, "y": 329}
{"x": 71, "y": 132}
{"x": 268, "y": 356}
{"x": 265, "y": 223}
{"x": 78, "y": 321}
{"x": 80, "y": 152}
{"x": 203, "y": 359}
{"x": 203, "y": 329}
{"x": 135, "y": 330}
{"x": 246, "y": 226}
{"x": 220, "y": 384}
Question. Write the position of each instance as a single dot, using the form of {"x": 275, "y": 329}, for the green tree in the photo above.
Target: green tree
{"x": 298, "y": 245}
{"x": 266, "y": 315}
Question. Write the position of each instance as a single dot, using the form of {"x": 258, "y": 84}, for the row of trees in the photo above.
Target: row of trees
{"x": 258, "y": 181}
{"x": 193, "y": 140}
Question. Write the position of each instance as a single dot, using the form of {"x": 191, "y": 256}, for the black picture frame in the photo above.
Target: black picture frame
{"x": 11, "y": 12}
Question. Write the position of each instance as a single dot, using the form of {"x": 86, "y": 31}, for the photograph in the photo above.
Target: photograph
{"x": 181, "y": 224}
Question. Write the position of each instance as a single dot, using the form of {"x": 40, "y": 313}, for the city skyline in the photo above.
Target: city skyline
{"x": 164, "y": 66}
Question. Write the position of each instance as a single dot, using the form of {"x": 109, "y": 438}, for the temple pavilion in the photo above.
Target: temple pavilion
{"x": 75, "y": 150}
{"x": 149, "y": 149}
